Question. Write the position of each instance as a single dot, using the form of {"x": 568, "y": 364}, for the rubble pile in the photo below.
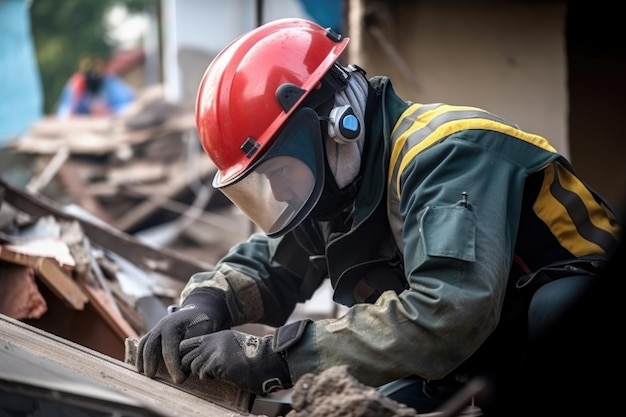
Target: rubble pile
{"x": 104, "y": 219}
{"x": 132, "y": 171}
{"x": 334, "y": 392}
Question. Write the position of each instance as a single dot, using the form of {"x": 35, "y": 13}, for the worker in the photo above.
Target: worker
{"x": 93, "y": 91}
{"x": 456, "y": 239}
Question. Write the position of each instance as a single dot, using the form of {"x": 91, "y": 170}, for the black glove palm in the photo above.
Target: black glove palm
{"x": 204, "y": 311}
{"x": 250, "y": 362}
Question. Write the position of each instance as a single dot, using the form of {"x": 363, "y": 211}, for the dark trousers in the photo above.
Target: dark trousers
{"x": 556, "y": 369}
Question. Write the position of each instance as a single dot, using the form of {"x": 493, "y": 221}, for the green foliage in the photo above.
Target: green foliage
{"x": 65, "y": 31}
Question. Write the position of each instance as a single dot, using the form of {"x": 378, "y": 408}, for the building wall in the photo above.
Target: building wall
{"x": 21, "y": 96}
{"x": 506, "y": 57}
{"x": 554, "y": 67}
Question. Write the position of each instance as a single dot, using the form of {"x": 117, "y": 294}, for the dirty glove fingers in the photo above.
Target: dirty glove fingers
{"x": 204, "y": 311}
{"x": 151, "y": 351}
{"x": 161, "y": 344}
{"x": 172, "y": 334}
{"x": 189, "y": 352}
{"x": 149, "y": 354}
{"x": 196, "y": 324}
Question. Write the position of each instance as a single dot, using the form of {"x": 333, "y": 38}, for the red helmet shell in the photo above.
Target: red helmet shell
{"x": 237, "y": 95}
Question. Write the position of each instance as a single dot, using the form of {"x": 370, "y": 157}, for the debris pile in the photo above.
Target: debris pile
{"x": 334, "y": 392}
{"x": 133, "y": 171}
{"x": 104, "y": 219}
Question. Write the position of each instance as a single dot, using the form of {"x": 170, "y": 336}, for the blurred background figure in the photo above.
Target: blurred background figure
{"x": 21, "y": 97}
{"x": 92, "y": 90}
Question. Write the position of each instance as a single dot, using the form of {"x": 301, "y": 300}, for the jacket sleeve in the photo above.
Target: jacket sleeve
{"x": 457, "y": 256}
{"x": 258, "y": 289}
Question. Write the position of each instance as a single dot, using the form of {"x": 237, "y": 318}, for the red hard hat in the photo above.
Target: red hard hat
{"x": 238, "y": 108}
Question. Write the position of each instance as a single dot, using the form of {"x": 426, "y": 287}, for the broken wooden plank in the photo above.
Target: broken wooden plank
{"x": 79, "y": 191}
{"x": 39, "y": 182}
{"x": 109, "y": 312}
{"x": 158, "y": 196}
{"x": 31, "y": 385}
{"x": 139, "y": 172}
{"x": 48, "y": 269}
{"x": 94, "y": 135}
{"x": 117, "y": 375}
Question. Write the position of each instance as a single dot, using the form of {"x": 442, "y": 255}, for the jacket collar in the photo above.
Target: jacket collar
{"x": 384, "y": 108}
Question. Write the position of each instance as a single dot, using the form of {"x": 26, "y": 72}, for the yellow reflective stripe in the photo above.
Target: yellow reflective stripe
{"x": 419, "y": 115}
{"x": 399, "y": 143}
{"x": 596, "y": 214}
{"x": 455, "y": 126}
{"x": 556, "y": 216}
{"x": 411, "y": 120}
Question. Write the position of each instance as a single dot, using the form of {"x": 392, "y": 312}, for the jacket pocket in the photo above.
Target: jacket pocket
{"x": 449, "y": 232}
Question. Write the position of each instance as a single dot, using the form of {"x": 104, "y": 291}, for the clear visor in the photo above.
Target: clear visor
{"x": 282, "y": 188}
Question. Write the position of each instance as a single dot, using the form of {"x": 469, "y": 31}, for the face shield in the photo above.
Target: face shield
{"x": 284, "y": 185}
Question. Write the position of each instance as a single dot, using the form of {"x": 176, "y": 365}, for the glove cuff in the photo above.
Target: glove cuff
{"x": 289, "y": 334}
{"x": 200, "y": 295}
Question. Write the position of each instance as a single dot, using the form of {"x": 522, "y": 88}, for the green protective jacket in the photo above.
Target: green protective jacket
{"x": 455, "y": 204}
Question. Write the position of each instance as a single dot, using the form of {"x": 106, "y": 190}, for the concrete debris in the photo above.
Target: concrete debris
{"x": 335, "y": 392}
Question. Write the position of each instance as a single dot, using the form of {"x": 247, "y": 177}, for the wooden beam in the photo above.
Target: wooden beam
{"x": 52, "y": 352}
{"x": 48, "y": 269}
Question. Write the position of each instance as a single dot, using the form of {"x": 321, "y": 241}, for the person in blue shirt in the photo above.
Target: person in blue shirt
{"x": 94, "y": 91}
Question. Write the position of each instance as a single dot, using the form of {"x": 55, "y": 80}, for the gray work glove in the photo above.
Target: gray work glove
{"x": 253, "y": 363}
{"x": 204, "y": 311}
